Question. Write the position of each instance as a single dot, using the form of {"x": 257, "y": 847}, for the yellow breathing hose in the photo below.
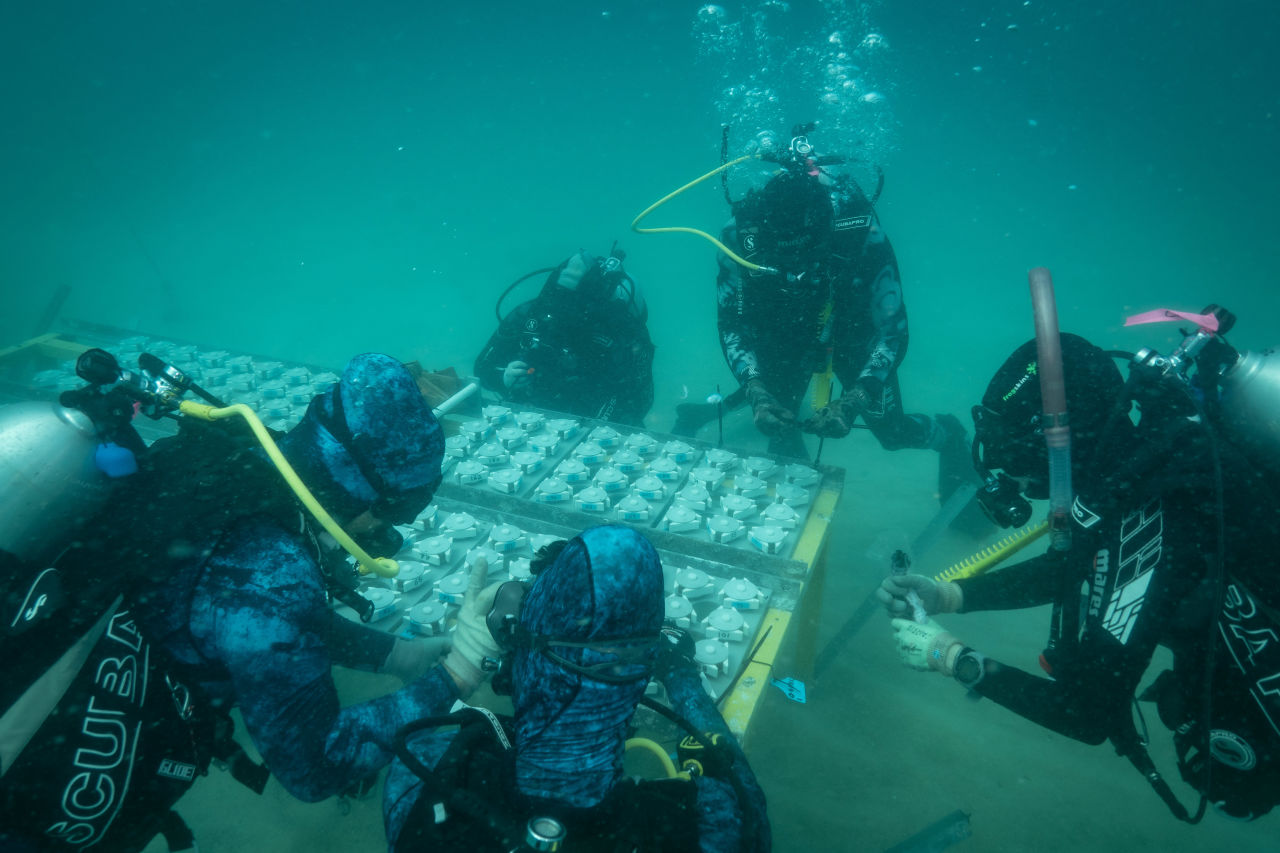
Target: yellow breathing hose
{"x": 991, "y": 555}
{"x": 368, "y": 564}
{"x": 644, "y": 744}
{"x": 680, "y": 229}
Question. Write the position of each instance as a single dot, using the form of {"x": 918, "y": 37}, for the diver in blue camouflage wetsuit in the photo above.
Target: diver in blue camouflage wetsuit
{"x": 202, "y": 587}
{"x": 585, "y": 643}
{"x": 243, "y": 609}
{"x": 835, "y": 298}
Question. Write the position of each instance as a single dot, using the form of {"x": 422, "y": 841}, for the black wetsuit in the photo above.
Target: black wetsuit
{"x": 1140, "y": 573}
{"x": 589, "y": 356}
{"x": 846, "y": 303}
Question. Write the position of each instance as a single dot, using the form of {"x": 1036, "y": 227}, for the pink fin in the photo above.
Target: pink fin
{"x": 1208, "y": 322}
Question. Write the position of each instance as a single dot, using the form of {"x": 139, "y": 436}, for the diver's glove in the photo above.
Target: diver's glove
{"x": 936, "y": 596}
{"x": 926, "y": 647}
{"x": 410, "y": 659}
{"x": 675, "y": 651}
{"x": 516, "y": 374}
{"x": 867, "y": 396}
{"x": 771, "y": 417}
{"x": 835, "y": 419}
{"x": 472, "y": 642}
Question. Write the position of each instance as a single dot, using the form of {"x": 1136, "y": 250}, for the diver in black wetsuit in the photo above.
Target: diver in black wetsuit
{"x": 1148, "y": 564}
{"x": 581, "y": 346}
{"x": 826, "y": 298}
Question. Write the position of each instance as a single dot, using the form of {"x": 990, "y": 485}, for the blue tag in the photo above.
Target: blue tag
{"x": 792, "y": 689}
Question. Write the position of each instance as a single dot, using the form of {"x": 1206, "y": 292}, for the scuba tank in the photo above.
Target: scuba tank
{"x": 1250, "y": 404}
{"x": 49, "y": 479}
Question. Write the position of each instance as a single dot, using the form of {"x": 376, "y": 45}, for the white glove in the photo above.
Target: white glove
{"x": 926, "y": 647}
{"x": 410, "y": 659}
{"x": 472, "y": 642}
{"x": 937, "y": 597}
{"x": 516, "y": 374}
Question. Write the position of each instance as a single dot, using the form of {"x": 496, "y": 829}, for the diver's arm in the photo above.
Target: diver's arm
{"x": 1084, "y": 709}
{"x": 749, "y": 821}
{"x": 1030, "y": 583}
{"x": 876, "y": 291}
{"x": 1093, "y": 683}
{"x": 353, "y": 644}
{"x": 635, "y": 383}
{"x": 502, "y": 348}
{"x": 738, "y": 338}
{"x": 257, "y": 607}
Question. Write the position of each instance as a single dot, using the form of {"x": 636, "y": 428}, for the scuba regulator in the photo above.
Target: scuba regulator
{"x": 1237, "y": 391}
{"x": 114, "y": 394}
{"x": 797, "y": 157}
{"x": 157, "y": 391}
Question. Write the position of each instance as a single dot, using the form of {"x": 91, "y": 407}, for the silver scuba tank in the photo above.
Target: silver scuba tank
{"x": 49, "y": 482}
{"x": 1250, "y": 404}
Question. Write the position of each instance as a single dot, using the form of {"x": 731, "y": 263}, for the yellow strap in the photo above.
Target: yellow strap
{"x": 821, "y": 394}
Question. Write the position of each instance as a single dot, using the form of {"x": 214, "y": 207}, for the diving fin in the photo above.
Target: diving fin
{"x": 955, "y": 472}
{"x": 691, "y": 417}
{"x": 937, "y": 836}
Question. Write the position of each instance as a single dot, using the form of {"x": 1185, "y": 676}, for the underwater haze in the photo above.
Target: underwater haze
{"x": 312, "y": 180}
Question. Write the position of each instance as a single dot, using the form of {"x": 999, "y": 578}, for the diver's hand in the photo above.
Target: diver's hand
{"x": 411, "y": 659}
{"x": 936, "y": 596}
{"x": 833, "y": 420}
{"x": 926, "y": 647}
{"x": 866, "y": 396}
{"x": 516, "y": 374}
{"x": 771, "y": 417}
{"x": 472, "y": 642}
{"x": 675, "y": 652}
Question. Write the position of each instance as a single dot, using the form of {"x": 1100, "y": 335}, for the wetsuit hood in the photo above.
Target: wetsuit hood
{"x": 605, "y": 585}
{"x": 368, "y": 439}
{"x": 1008, "y": 421}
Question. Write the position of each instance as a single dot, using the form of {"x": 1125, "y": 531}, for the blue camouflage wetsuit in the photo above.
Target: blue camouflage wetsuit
{"x": 569, "y": 729}
{"x": 252, "y": 626}
{"x": 843, "y": 300}
{"x": 243, "y": 610}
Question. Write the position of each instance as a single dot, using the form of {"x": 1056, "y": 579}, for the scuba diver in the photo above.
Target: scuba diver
{"x": 812, "y": 290}
{"x": 580, "y": 346}
{"x": 583, "y": 640}
{"x": 1172, "y": 537}
{"x": 203, "y": 586}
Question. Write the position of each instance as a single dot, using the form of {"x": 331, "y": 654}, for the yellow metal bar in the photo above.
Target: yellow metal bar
{"x": 51, "y": 345}
{"x": 757, "y": 674}
{"x": 811, "y": 550}
{"x": 815, "y": 531}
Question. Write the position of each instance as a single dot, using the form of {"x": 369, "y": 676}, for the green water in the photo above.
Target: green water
{"x": 313, "y": 180}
